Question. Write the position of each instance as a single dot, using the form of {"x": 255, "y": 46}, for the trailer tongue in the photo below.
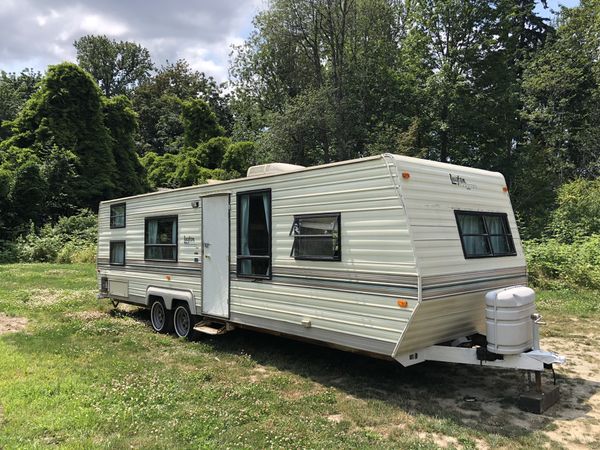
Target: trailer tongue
{"x": 512, "y": 341}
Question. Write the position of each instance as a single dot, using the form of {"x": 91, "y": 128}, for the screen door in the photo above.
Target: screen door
{"x": 215, "y": 255}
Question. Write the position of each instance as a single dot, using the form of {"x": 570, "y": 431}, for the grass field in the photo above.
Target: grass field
{"x": 80, "y": 375}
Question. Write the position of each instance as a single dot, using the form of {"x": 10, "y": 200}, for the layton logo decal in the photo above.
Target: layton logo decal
{"x": 189, "y": 240}
{"x": 460, "y": 181}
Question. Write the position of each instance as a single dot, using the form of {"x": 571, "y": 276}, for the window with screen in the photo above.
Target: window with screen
{"x": 117, "y": 253}
{"x": 317, "y": 237}
{"x": 117, "y": 216}
{"x": 254, "y": 234}
{"x": 160, "y": 238}
{"x": 484, "y": 234}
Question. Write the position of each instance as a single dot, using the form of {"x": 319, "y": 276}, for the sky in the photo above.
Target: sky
{"x": 36, "y": 33}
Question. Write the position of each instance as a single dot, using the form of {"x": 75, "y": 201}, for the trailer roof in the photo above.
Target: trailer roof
{"x": 437, "y": 164}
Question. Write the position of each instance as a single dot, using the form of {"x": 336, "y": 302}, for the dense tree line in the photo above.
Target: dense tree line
{"x": 484, "y": 83}
{"x": 487, "y": 84}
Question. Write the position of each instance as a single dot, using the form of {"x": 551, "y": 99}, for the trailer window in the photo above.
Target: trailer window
{"x": 254, "y": 234}
{"x": 160, "y": 238}
{"x": 117, "y": 253}
{"x": 485, "y": 234}
{"x": 317, "y": 237}
{"x": 117, "y": 215}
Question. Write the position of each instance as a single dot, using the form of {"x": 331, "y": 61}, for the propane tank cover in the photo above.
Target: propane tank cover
{"x": 508, "y": 319}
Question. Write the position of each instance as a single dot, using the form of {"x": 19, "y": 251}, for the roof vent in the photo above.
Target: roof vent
{"x": 272, "y": 169}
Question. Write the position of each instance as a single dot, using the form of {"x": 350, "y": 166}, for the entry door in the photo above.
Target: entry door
{"x": 215, "y": 255}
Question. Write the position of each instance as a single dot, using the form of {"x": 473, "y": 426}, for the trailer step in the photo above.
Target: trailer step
{"x": 210, "y": 328}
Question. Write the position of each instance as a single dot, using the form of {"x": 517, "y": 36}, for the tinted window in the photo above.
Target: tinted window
{"x": 254, "y": 234}
{"x": 117, "y": 252}
{"x": 117, "y": 216}
{"x": 316, "y": 237}
{"x": 484, "y": 234}
{"x": 161, "y": 238}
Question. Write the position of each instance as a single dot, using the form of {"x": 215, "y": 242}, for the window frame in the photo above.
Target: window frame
{"x": 110, "y": 252}
{"x": 112, "y": 226}
{"x": 176, "y": 245}
{"x": 238, "y": 234}
{"x": 506, "y": 225}
{"x": 338, "y": 217}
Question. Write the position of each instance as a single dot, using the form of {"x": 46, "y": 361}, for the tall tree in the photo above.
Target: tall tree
{"x": 15, "y": 90}
{"x": 561, "y": 95}
{"x": 118, "y": 66}
{"x": 316, "y": 74}
{"x": 158, "y": 105}
{"x": 67, "y": 112}
{"x": 121, "y": 121}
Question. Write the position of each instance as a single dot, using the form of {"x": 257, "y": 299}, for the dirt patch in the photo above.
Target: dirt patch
{"x": 88, "y": 315}
{"x": 335, "y": 418}
{"x": 440, "y": 440}
{"x": 10, "y": 324}
{"x": 577, "y": 417}
{"x": 574, "y": 422}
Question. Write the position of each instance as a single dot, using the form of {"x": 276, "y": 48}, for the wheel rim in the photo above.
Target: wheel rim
{"x": 182, "y": 322}
{"x": 158, "y": 316}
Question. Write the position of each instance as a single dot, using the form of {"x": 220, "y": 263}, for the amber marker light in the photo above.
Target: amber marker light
{"x": 402, "y": 303}
{"x": 405, "y": 175}
{"x": 505, "y": 189}
{"x": 168, "y": 278}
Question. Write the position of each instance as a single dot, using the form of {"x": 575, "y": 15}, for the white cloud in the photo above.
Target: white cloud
{"x": 33, "y": 34}
{"x": 97, "y": 24}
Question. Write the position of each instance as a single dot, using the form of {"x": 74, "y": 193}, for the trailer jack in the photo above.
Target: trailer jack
{"x": 536, "y": 400}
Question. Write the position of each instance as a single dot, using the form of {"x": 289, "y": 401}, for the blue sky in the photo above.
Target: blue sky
{"x": 555, "y": 5}
{"x": 36, "y": 33}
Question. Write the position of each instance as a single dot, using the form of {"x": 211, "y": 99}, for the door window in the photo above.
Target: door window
{"x": 254, "y": 234}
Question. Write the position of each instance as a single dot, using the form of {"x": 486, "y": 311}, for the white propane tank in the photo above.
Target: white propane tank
{"x": 508, "y": 319}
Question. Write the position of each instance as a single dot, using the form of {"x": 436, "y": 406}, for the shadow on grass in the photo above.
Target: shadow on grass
{"x": 481, "y": 398}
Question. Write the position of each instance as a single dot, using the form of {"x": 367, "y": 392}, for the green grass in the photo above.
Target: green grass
{"x": 83, "y": 376}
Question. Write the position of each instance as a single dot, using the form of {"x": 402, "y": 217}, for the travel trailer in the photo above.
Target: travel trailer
{"x": 392, "y": 256}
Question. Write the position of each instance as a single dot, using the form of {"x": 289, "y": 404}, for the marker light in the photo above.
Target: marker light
{"x": 402, "y": 303}
{"x": 405, "y": 175}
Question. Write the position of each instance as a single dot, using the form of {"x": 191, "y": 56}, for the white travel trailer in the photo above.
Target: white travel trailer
{"x": 388, "y": 255}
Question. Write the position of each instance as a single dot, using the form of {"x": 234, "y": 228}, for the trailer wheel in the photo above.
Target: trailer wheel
{"x": 183, "y": 322}
{"x": 160, "y": 317}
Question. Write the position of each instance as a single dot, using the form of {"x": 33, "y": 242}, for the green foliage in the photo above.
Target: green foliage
{"x": 210, "y": 154}
{"x": 15, "y": 90}
{"x": 239, "y": 156}
{"x": 27, "y": 191}
{"x": 71, "y": 239}
{"x": 121, "y": 121}
{"x": 161, "y": 124}
{"x": 117, "y": 66}
{"x": 556, "y": 265}
{"x": 76, "y": 253}
{"x": 66, "y": 112}
{"x": 577, "y": 214}
{"x": 199, "y": 122}
{"x": 183, "y": 169}
{"x": 158, "y": 104}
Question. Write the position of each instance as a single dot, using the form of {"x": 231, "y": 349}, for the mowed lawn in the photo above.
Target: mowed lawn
{"x": 80, "y": 375}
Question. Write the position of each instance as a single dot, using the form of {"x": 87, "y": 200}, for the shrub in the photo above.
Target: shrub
{"x": 85, "y": 254}
{"x": 553, "y": 264}
{"x": 71, "y": 239}
{"x": 577, "y": 214}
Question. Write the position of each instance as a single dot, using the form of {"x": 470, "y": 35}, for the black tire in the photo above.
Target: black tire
{"x": 161, "y": 318}
{"x": 183, "y": 322}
